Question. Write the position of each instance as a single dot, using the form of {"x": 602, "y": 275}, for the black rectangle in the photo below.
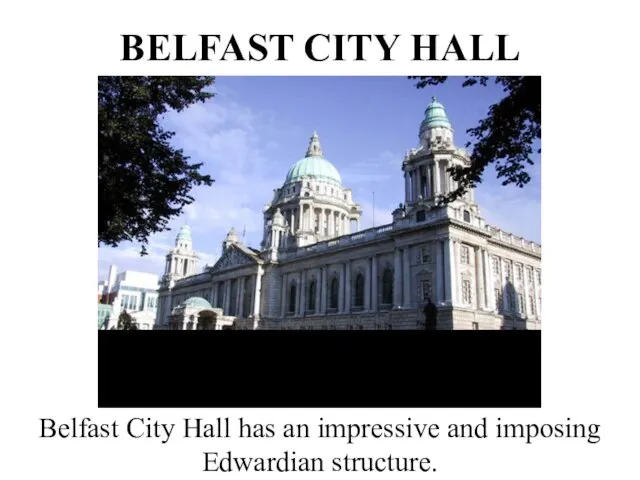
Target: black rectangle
{"x": 319, "y": 368}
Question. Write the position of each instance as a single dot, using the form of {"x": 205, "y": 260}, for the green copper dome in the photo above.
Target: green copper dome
{"x": 435, "y": 116}
{"x": 314, "y": 165}
{"x": 184, "y": 234}
{"x": 197, "y": 302}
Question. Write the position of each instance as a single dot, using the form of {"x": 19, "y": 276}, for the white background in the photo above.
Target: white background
{"x": 52, "y": 53}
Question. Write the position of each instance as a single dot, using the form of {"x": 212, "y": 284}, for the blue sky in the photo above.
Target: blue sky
{"x": 256, "y": 128}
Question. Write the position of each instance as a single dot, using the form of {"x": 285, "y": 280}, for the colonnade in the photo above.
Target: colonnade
{"x": 180, "y": 266}
{"x": 232, "y": 296}
{"x": 428, "y": 180}
{"x": 321, "y": 220}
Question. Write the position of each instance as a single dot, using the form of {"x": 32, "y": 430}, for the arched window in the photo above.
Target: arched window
{"x": 387, "y": 287}
{"x": 333, "y": 294}
{"x": 292, "y": 298}
{"x": 359, "y": 300}
{"x": 311, "y": 298}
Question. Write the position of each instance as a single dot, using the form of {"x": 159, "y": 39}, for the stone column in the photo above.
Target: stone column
{"x": 347, "y": 287}
{"x": 436, "y": 177}
{"x": 240, "y": 303}
{"x": 480, "y": 295}
{"x": 341, "y": 290}
{"x": 303, "y": 293}
{"x": 488, "y": 275}
{"x": 258, "y": 291}
{"x": 328, "y": 222}
{"x": 227, "y": 297}
{"x": 448, "y": 263}
{"x": 439, "y": 283}
{"x": 406, "y": 278}
{"x": 428, "y": 174}
{"x": 456, "y": 297}
{"x": 283, "y": 295}
{"x": 374, "y": 284}
{"x": 503, "y": 286}
{"x": 293, "y": 223}
{"x": 318, "y": 290}
{"x": 525, "y": 272}
{"x": 323, "y": 290}
{"x": 214, "y": 294}
{"x": 407, "y": 187}
{"x": 397, "y": 278}
{"x": 301, "y": 213}
{"x": 367, "y": 287}
{"x": 412, "y": 194}
{"x": 297, "y": 310}
{"x": 325, "y": 222}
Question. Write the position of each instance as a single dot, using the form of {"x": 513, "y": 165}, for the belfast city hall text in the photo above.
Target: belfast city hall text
{"x": 313, "y": 272}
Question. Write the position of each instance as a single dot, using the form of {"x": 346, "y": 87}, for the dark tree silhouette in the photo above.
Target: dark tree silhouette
{"x": 126, "y": 322}
{"x": 505, "y": 137}
{"x": 142, "y": 180}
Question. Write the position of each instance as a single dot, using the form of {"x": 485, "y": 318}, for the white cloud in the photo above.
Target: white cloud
{"x": 231, "y": 140}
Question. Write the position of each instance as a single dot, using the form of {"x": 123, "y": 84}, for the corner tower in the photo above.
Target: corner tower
{"x": 181, "y": 260}
{"x": 426, "y": 175}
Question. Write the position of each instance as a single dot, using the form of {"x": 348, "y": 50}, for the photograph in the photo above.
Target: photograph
{"x": 319, "y": 203}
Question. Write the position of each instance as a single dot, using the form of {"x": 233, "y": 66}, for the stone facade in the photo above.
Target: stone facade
{"x": 312, "y": 273}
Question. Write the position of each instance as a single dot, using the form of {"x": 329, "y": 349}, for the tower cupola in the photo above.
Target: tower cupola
{"x": 435, "y": 129}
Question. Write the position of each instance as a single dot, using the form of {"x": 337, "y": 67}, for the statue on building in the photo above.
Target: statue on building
{"x": 431, "y": 315}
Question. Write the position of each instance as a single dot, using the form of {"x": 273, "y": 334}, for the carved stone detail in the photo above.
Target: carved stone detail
{"x": 232, "y": 258}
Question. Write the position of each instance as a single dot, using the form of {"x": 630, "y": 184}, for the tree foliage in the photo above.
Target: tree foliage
{"x": 143, "y": 181}
{"x": 126, "y": 322}
{"x": 504, "y": 137}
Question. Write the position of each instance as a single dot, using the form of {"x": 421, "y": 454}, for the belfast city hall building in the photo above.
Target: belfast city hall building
{"x": 316, "y": 270}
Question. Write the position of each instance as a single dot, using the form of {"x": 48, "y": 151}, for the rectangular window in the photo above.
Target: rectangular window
{"x": 538, "y": 277}
{"x": 507, "y": 269}
{"x": 521, "y": 305}
{"x": 495, "y": 264}
{"x": 467, "y": 216}
{"x": 425, "y": 290}
{"x": 464, "y": 255}
{"x": 498, "y": 297}
{"x": 518, "y": 272}
{"x": 532, "y": 305}
{"x": 420, "y": 216}
{"x": 466, "y": 292}
{"x": 475, "y": 326}
{"x": 530, "y": 274}
{"x": 425, "y": 255}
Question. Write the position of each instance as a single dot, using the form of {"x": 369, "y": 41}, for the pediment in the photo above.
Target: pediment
{"x": 231, "y": 258}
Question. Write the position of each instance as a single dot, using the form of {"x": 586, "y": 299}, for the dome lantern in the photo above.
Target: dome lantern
{"x": 314, "y": 165}
{"x": 436, "y": 127}
{"x": 435, "y": 116}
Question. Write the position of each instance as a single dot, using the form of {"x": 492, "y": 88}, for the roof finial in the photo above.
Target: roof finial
{"x": 314, "y": 150}
{"x": 433, "y": 98}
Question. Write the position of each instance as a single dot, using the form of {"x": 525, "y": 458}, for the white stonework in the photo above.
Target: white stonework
{"x": 133, "y": 292}
{"x": 312, "y": 272}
